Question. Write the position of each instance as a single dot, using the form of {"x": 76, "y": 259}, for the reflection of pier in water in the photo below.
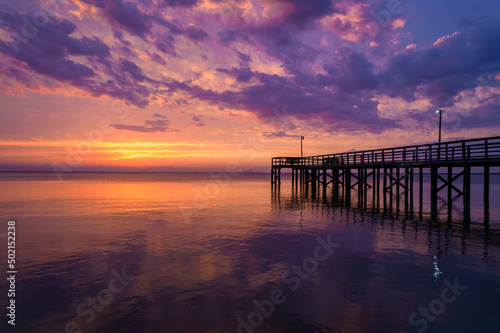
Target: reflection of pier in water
{"x": 384, "y": 179}
{"x": 324, "y": 203}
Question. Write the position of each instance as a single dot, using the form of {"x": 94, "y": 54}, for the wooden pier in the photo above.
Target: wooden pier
{"x": 394, "y": 170}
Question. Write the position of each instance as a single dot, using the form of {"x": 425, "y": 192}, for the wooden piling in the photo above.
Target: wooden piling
{"x": 466, "y": 191}
{"x": 434, "y": 192}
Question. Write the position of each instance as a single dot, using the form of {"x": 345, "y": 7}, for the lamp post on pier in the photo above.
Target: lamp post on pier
{"x": 440, "y": 119}
{"x": 301, "y": 151}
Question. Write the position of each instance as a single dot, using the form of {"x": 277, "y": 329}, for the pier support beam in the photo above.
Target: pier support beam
{"x": 420, "y": 191}
{"x": 407, "y": 187}
{"x": 378, "y": 188}
{"x": 450, "y": 188}
{"x": 434, "y": 192}
{"x": 486, "y": 193}
{"x": 335, "y": 179}
{"x": 324, "y": 179}
{"x": 347, "y": 185}
{"x": 384, "y": 190}
{"x": 466, "y": 191}
{"x": 412, "y": 171}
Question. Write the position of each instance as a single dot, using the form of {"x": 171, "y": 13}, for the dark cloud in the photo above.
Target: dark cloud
{"x": 48, "y": 47}
{"x": 84, "y": 62}
{"x": 279, "y": 134}
{"x": 374, "y": 25}
{"x": 166, "y": 45}
{"x": 129, "y": 16}
{"x": 241, "y": 74}
{"x": 442, "y": 71}
{"x": 20, "y": 76}
{"x": 481, "y": 117}
{"x": 243, "y": 57}
{"x": 157, "y": 115}
{"x": 133, "y": 70}
{"x": 197, "y": 121}
{"x": 456, "y": 120}
{"x": 157, "y": 123}
{"x": 150, "y": 126}
{"x": 344, "y": 95}
{"x": 228, "y": 36}
{"x": 156, "y": 57}
{"x": 439, "y": 72}
{"x": 284, "y": 42}
{"x": 119, "y": 35}
{"x": 350, "y": 108}
{"x": 354, "y": 75}
{"x": 304, "y": 11}
{"x": 192, "y": 32}
{"x": 178, "y": 3}
{"x": 196, "y": 33}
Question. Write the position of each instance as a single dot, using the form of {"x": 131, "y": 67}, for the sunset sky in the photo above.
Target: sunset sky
{"x": 196, "y": 84}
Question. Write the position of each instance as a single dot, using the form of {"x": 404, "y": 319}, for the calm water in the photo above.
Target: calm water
{"x": 190, "y": 253}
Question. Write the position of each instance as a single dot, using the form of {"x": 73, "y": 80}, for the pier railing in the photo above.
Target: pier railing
{"x": 481, "y": 150}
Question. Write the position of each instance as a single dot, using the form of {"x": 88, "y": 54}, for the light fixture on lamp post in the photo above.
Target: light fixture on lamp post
{"x": 440, "y": 119}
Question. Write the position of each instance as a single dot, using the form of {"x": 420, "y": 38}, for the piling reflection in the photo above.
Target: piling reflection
{"x": 398, "y": 210}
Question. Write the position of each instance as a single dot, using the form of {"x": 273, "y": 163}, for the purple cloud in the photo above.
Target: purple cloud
{"x": 126, "y": 14}
{"x": 443, "y": 70}
{"x": 304, "y": 11}
{"x": 196, "y": 33}
{"x": 133, "y": 70}
{"x": 317, "y": 82}
{"x": 166, "y": 46}
{"x": 48, "y": 47}
{"x": 129, "y": 16}
{"x": 243, "y": 57}
{"x": 150, "y": 126}
{"x": 279, "y": 134}
{"x": 241, "y": 74}
{"x": 178, "y": 3}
